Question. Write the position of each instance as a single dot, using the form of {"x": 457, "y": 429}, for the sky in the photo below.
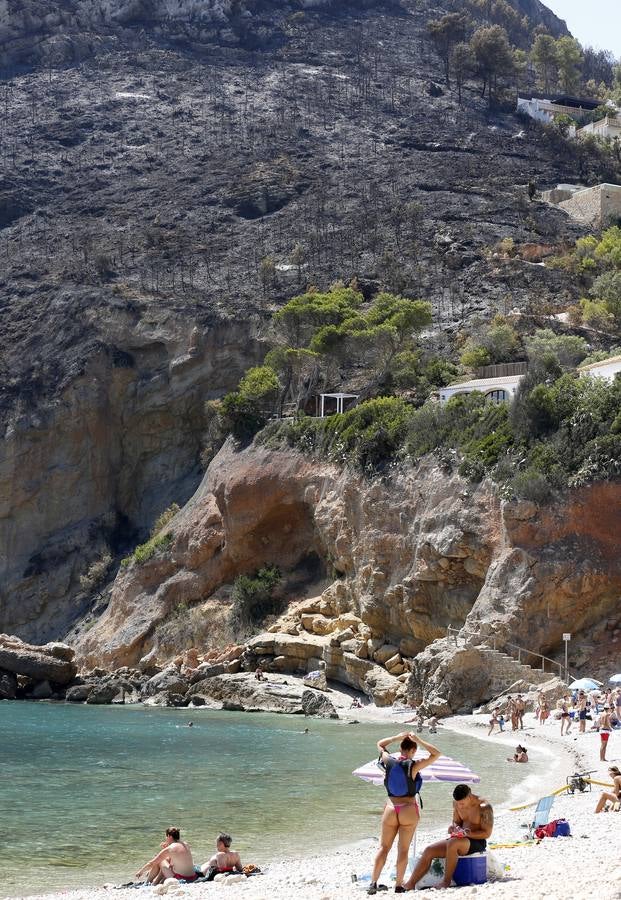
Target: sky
{"x": 595, "y": 23}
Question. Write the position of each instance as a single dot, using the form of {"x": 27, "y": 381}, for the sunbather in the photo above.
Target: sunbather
{"x": 173, "y": 861}
{"x": 224, "y": 859}
{"x": 613, "y": 796}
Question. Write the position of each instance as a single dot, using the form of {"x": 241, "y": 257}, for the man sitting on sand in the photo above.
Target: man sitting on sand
{"x": 473, "y": 820}
{"x": 224, "y": 859}
{"x": 173, "y": 861}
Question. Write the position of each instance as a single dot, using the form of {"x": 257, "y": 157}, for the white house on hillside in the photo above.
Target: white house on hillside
{"x": 608, "y": 127}
{"x": 607, "y": 368}
{"x": 546, "y": 110}
{"x": 498, "y": 390}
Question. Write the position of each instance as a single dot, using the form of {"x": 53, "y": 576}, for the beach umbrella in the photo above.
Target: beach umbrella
{"x": 585, "y": 684}
{"x": 615, "y": 679}
{"x": 443, "y": 769}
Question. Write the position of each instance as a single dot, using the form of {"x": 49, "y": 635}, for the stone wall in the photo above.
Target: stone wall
{"x": 598, "y": 206}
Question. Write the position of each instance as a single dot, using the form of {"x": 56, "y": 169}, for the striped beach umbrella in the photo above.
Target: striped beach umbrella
{"x": 443, "y": 769}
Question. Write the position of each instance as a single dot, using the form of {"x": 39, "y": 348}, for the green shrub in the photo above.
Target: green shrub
{"x": 248, "y": 409}
{"x": 370, "y": 434}
{"x": 143, "y": 552}
{"x": 253, "y": 598}
{"x": 532, "y": 485}
{"x": 569, "y": 349}
{"x": 164, "y": 518}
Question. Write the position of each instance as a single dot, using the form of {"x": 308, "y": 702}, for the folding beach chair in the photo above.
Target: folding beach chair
{"x": 542, "y": 814}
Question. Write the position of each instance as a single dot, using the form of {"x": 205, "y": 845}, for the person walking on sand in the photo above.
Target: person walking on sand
{"x": 401, "y": 815}
{"x": 473, "y": 821}
{"x": 173, "y": 861}
{"x": 493, "y": 722}
{"x": 613, "y": 796}
{"x": 605, "y": 727}
{"x": 565, "y": 717}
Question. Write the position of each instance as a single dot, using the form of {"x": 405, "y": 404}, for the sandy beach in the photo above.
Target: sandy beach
{"x": 581, "y": 866}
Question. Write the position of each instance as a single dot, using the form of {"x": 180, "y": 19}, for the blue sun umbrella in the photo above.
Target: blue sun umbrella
{"x": 615, "y": 679}
{"x": 585, "y": 684}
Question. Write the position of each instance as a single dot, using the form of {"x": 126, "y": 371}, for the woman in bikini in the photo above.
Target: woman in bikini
{"x": 401, "y": 813}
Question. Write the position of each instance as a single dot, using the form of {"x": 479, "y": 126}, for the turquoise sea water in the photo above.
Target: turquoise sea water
{"x": 86, "y": 792}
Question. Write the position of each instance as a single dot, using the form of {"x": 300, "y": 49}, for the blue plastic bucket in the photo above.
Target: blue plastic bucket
{"x": 471, "y": 870}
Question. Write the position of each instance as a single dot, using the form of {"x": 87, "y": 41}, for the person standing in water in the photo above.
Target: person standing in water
{"x": 401, "y": 815}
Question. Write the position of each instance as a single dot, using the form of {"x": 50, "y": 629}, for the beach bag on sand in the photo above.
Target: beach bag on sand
{"x": 556, "y": 828}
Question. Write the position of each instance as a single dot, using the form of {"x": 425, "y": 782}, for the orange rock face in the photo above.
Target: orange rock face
{"x": 408, "y": 554}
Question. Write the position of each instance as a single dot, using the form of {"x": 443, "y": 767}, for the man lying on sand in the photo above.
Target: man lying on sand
{"x": 224, "y": 859}
{"x": 473, "y": 820}
{"x": 173, "y": 861}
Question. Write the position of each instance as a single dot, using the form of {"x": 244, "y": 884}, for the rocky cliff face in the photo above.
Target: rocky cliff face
{"x": 92, "y": 469}
{"x": 410, "y": 553}
{"x": 154, "y": 153}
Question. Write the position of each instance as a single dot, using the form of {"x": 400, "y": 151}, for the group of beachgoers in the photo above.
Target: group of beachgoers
{"x": 512, "y": 711}
{"x": 601, "y": 708}
{"x": 175, "y": 861}
{"x": 472, "y": 823}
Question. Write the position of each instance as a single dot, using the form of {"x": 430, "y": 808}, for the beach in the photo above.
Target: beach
{"x": 580, "y": 866}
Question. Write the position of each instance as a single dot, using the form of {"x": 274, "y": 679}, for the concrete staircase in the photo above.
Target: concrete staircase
{"x": 505, "y": 671}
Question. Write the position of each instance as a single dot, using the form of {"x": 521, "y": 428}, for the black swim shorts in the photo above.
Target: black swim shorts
{"x": 477, "y": 845}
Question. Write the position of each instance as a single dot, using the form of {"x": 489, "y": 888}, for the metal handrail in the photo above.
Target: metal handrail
{"x": 465, "y": 631}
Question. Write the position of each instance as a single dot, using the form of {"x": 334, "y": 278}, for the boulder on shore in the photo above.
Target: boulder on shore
{"x": 52, "y": 662}
{"x": 319, "y": 705}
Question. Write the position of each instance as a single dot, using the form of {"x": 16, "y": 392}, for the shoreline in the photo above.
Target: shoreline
{"x": 530, "y": 872}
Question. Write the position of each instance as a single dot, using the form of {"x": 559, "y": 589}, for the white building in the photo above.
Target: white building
{"x": 607, "y": 368}
{"x": 497, "y": 390}
{"x": 544, "y": 110}
{"x": 607, "y": 128}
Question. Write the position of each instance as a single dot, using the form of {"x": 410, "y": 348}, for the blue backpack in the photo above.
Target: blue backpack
{"x": 398, "y": 780}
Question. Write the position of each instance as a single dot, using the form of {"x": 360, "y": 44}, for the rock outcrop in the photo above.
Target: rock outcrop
{"x": 454, "y": 678}
{"x": 50, "y": 663}
{"x": 410, "y": 555}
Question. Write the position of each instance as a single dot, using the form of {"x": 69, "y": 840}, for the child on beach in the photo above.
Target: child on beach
{"x": 493, "y": 722}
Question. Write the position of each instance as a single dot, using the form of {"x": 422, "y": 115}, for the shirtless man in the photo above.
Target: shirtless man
{"x": 473, "y": 820}
{"x": 224, "y": 859}
{"x": 173, "y": 861}
{"x": 582, "y": 712}
{"x": 520, "y": 708}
